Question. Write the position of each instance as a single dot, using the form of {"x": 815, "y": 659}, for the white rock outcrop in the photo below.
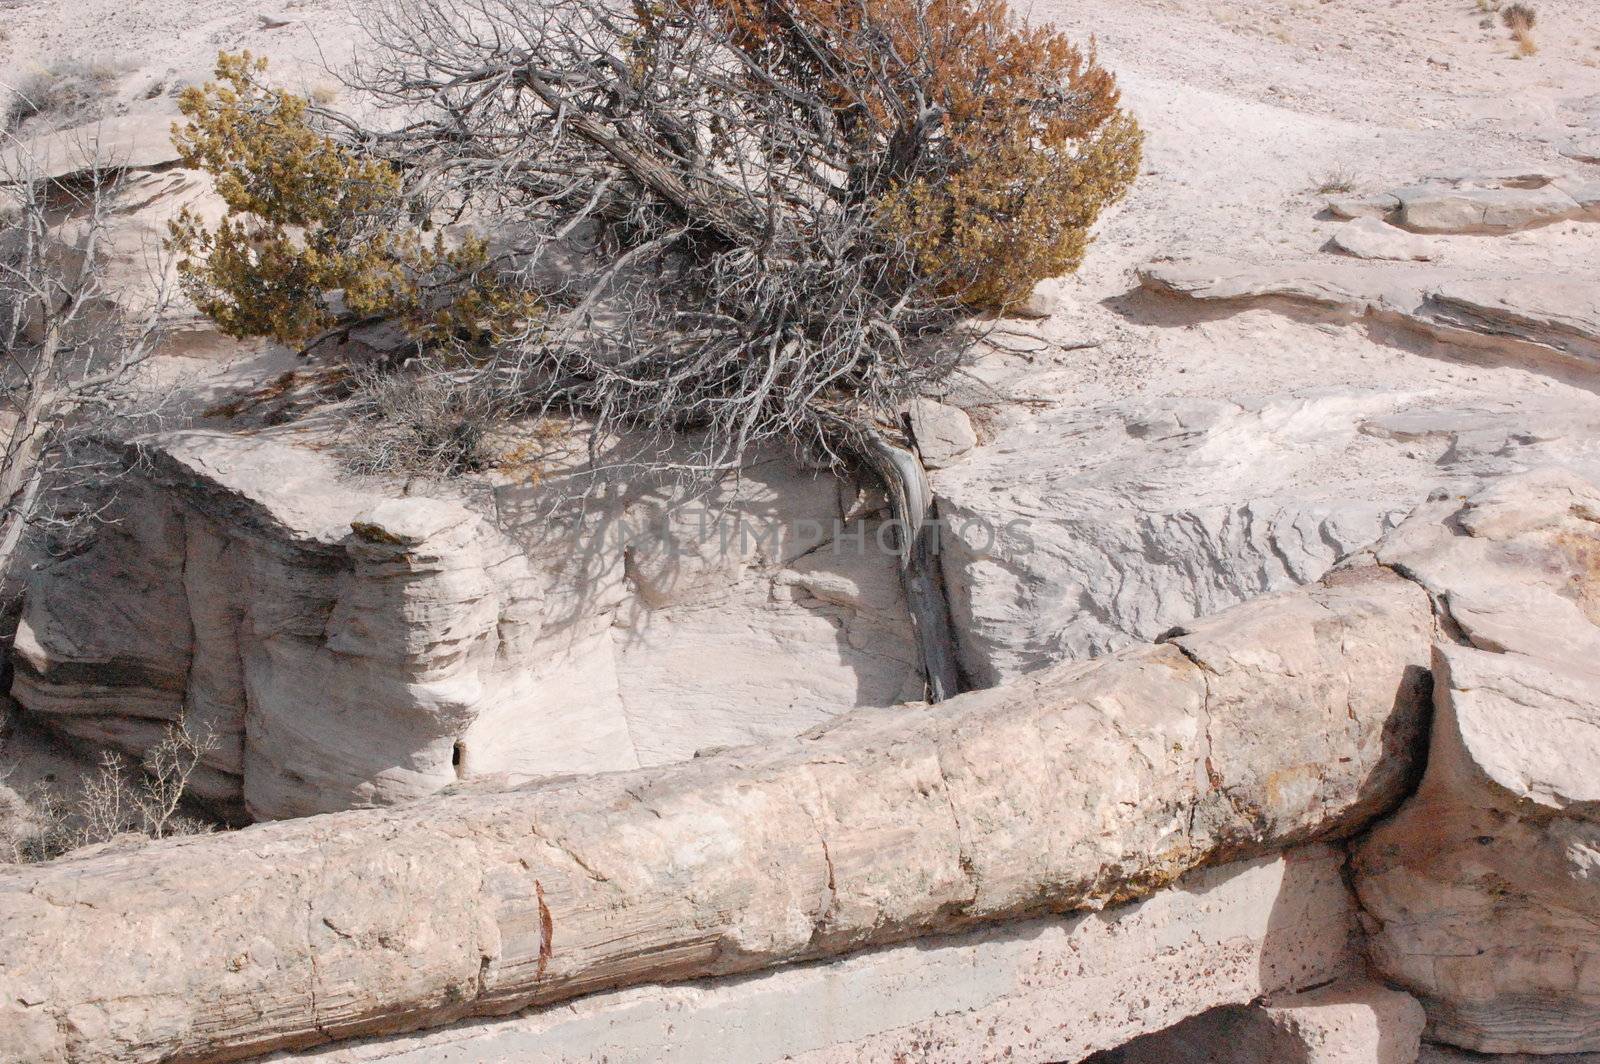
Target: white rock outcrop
{"x": 1082, "y": 530}
{"x": 1483, "y": 890}
{"x": 1374, "y": 238}
{"x": 1504, "y": 202}
{"x": 350, "y": 647}
{"x": 1528, "y": 318}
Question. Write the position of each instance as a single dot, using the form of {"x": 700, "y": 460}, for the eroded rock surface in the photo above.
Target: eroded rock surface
{"x": 1483, "y": 889}
{"x": 1078, "y": 531}
{"x": 1554, "y": 314}
{"x": 350, "y": 647}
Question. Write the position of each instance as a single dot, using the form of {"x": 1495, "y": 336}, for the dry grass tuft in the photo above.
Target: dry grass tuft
{"x": 1520, "y": 19}
{"x": 1336, "y": 181}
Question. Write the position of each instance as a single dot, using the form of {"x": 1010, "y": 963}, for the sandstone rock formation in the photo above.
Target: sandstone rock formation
{"x": 350, "y": 647}
{"x": 1278, "y": 723}
{"x": 1478, "y": 202}
{"x": 1527, "y": 317}
{"x": 1483, "y": 889}
{"x": 128, "y": 142}
{"x": 1083, "y": 530}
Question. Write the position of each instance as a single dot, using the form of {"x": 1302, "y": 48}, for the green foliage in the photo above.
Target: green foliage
{"x": 307, "y": 217}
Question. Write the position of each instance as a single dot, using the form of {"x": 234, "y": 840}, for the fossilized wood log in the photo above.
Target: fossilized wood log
{"x": 1289, "y": 719}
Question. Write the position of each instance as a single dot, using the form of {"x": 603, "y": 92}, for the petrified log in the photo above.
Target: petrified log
{"x": 1282, "y": 721}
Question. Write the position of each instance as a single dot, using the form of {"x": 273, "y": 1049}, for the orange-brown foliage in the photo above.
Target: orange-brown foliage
{"x": 1001, "y": 142}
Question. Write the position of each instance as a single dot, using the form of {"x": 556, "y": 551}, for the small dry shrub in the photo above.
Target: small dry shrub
{"x": 1520, "y": 19}
{"x": 425, "y": 419}
{"x": 116, "y": 800}
{"x": 1336, "y": 181}
{"x": 64, "y": 93}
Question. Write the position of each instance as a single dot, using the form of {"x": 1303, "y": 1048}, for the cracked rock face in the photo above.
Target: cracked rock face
{"x": 1079, "y": 531}
{"x": 1484, "y": 890}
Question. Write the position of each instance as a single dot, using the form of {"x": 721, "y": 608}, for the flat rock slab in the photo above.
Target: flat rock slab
{"x": 1556, "y": 313}
{"x": 1583, "y": 149}
{"x": 1373, "y": 238}
{"x": 1521, "y": 316}
{"x": 1434, "y": 209}
{"x": 1503, "y": 201}
{"x": 129, "y": 142}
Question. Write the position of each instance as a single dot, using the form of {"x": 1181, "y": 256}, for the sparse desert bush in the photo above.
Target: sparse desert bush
{"x": 1520, "y": 20}
{"x": 118, "y": 798}
{"x": 1519, "y": 17}
{"x": 64, "y": 93}
{"x": 308, "y": 218}
{"x": 749, "y": 222}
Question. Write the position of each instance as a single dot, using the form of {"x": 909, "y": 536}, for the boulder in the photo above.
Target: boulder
{"x": 1482, "y": 890}
{"x": 1373, "y": 238}
{"x": 943, "y": 433}
{"x": 1279, "y": 723}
